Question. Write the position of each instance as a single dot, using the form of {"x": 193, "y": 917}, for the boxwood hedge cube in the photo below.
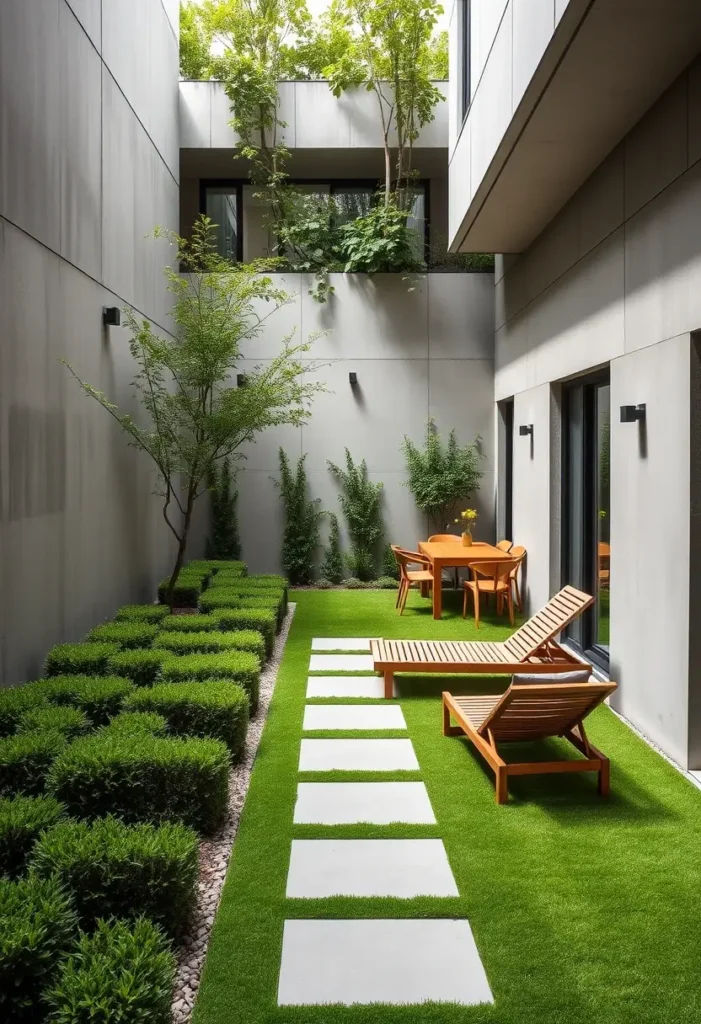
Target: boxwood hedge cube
{"x": 25, "y": 760}
{"x": 22, "y": 820}
{"x": 240, "y": 667}
{"x": 152, "y": 613}
{"x": 141, "y": 666}
{"x": 100, "y": 697}
{"x": 86, "y": 659}
{"x": 129, "y": 635}
{"x": 262, "y": 620}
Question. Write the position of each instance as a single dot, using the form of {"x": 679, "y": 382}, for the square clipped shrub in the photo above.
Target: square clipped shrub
{"x": 188, "y": 624}
{"x": 240, "y": 667}
{"x": 213, "y": 643}
{"x": 187, "y": 591}
{"x": 140, "y": 666}
{"x": 120, "y": 974}
{"x": 144, "y": 778}
{"x": 15, "y": 702}
{"x": 129, "y": 635}
{"x": 112, "y": 869}
{"x": 99, "y": 697}
{"x": 153, "y": 613}
{"x": 262, "y": 620}
{"x": 137, "y": 722}
{"x": 227, "y": 597}
{"x": 86, "y": 659}
{"x": 215, "y": 565}
{"x": 211, "y": 708}
{"x": 37, "y": 929}
{"x": 71, "y": 722}
{"x": 25, "y": 761}
{"x": 22, "y": 820}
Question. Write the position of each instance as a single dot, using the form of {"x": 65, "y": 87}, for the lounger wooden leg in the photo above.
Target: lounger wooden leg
{"x": 502, "y": 792}
{"x": 605, "y": 777}
{"x": 448, "y": 729}
{"x": 389, "y": 685}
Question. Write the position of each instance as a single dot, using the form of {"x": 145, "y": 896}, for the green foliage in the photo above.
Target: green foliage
{"x": 99, "y": 697}
{"x": 37, "y": 929}
{"x": 386, "y": 583}
{"x": 22, "y": 820}
{"x": 15, "y": 701}
{"x": 194, "y": 43}
{"x": 441, "y": 476}
{"x": 323, "y": 584}
{"x": 197, "y": 623}
{"x": 137, "y": 722}
{"x": 212, "y": 643}
{"x": 219, "y": 709}
{"x": 332, "y": 569}
{"x": 224, "y": 542}
{"x": 353, "y": 583}
{"x": 379, "y": 242}
{"x": 361, "y": 502}
{"x": 438, "y": 56}
{"x": 215, "y": 565}
{"x": 70, "y": 722}
{"x": 144, "y": 778}
{"x": 86, "y": 659}
{"x": 233, "y": 599}
{"x": 140, "y": 666}
{"x": 153, "y": 613}
{"x": 301, "y": 534}
{"x": 261, "y": 619}
{"x": 390, "y": 569}
{"x": 25, "y": 761}
{"x": 122, "y": 974}
{"x": 116, "y": 870}
{"x": 240, "y": 667}
{"x": 129, "y": 635}
{"x": 184, "y": 593}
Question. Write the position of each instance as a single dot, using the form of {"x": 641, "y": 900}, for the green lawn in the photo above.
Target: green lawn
{"x": 583, "y": 910}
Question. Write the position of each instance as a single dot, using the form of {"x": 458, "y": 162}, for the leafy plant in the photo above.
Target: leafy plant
{"x": 142, "y": 613}
{"x": 213, "y": 708}
{"x": 15, "y": 701}
{"x": 100, "y": 697}
{"x": 379, "y": 242}
{"x": 361, "y": 502}
{"x": 302, "y": 515}
{"x": 182, "y": 594}
{"x": 386, "y": 583}
{"x": 22, "y": 820}
{"x": 240, "y": 667}
{"x": 129, "y": 635}
{"x": 25, "y": 761}
{"x": 214, "y": 642}
{"x": 441, "y": 476}
{"x": 88, "y": 659}
{"x": 194, "y": 44}
{"x": 263, "y": 620}
{"x": 224, "y": 542}
{"x": 137, "y": 722}
{"x": 140, "y": 666}
{"x": 70, "y": 722}
{"x": 332, "y": 569}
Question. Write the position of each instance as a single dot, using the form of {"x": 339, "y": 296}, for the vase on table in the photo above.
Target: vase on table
{"x": 466, "y": 539}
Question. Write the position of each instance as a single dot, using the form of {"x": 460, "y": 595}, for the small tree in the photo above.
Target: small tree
{"x": 224, "y": 542}
{"x": 195, "y": 416}
{"x": 361, "y": 502}
{"x": 332, "y": 569}
{"x": 302, "y": 516}
{"x": 441, "y": 476}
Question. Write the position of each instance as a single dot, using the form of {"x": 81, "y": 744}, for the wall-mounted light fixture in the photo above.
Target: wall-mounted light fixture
{"x": 240, "y": 380}
{"x": 352, "y": 377}
{"x": 526, "y": 429}
{"x": 633, "y": 413}
{"x": 111, "y": 316}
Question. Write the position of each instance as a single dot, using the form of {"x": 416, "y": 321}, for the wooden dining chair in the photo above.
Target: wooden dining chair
{"x": 448, "y": 538}
{"x": 490, "y": 578}
{"x": 604, "y": 564}
{"x": 411, "y": 577}
{"x": 505, "y": 545}
{"x": 518, "y": 552}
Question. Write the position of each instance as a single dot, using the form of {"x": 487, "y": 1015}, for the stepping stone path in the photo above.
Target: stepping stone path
{"x": 367, "y": 960}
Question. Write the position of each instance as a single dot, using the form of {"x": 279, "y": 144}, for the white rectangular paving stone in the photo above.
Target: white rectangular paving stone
{"x": 345, "y": 686}
{"x": 403, "y": 868}
{"x": 341, "y": 663}
{"x": 341, "y": 643}
{"x": 357, "y": 756}
{"x": 353, "y": 716}
{"x": 366, "y": 961}
{"x": 352, "y": 803}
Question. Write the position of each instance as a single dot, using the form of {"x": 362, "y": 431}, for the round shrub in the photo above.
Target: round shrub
{"x": 37, "y": 929}
{"x": 122, "y": 973}
{"x": 141, "y": 666}
{"x": 139, "y": 722}
{"x": 15, "y": 702}
{"x": 240, "y": 667}
{"x": 262, "y": 620}
{"x": 116, "y": 870}
{"x": 129, "y": 635}
{"x": 22, "y": 820}
{"x": 212, "y": 643}
{"x": 86, "y": 659}
{"x": 69, "y": 721}
{"x": 187, "y": 591}
{"x": 99, "y": 697}
{"x": 153, "y": 613}
{"x": 144, "y": 778}
{"x": 188, "y": 624}
{"x": 355, "y": 584}
{"x": 25, "y": 761}
{"x": 323, "y": 584}
{"x": 211, "y": 708}
{"x": 386, "y": 583}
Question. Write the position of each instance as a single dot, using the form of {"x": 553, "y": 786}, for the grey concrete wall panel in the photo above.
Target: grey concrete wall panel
{"x": 89, "y": 14}
{"x": 656, "y": 149}
{"x": 460, "y": 316}
{"x": 533, "y": 25}
{"x": 172, "y": 9}
{"x": 195, "y": 115}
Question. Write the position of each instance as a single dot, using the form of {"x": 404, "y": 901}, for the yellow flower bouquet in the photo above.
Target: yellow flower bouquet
{"x": 468, "y": 517}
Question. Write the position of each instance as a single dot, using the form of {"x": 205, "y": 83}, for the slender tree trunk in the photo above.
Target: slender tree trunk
{"x": 182, "y": 548}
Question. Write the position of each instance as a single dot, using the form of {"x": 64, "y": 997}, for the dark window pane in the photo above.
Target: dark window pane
{"x": 351, "y": 202}
{"x": 222, "y": 207}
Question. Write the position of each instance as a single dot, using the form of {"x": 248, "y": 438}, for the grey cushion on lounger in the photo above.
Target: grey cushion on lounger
{"x": 581, "y": 675}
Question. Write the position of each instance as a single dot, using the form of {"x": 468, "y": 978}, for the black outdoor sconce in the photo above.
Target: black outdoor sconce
{"x": 240, "y": 380}
{"x": 526, "y": 429}
{"x": 111, "y": 316}
{"x": 352, "y": 378}
{"x": 633, "y": 413}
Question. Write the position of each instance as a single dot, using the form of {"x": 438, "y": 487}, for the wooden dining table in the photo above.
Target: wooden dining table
{"x": 449, "y": 555}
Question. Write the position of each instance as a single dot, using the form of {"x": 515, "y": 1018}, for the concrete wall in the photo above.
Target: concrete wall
{"x": 88, "y": 165}
{"x": 420, "y": 347}
{"x": 615, "y": 279}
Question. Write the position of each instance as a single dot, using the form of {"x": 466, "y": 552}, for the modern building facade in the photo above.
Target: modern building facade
{"x": 575, "y": 151}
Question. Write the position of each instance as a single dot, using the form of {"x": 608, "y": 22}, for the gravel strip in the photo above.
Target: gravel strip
{"x": 215, "y": 852}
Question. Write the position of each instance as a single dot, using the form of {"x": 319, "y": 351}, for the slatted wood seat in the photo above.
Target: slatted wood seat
{"x": 533, "y": 712}
{"x": 532, "y": 648}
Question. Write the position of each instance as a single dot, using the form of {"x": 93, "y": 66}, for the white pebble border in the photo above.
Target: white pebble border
{"x": 215, "y": 852}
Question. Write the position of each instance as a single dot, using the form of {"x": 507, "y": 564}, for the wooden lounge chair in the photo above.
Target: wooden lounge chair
{"x": 532, "y": 712}
{"x": 532, "y": 648}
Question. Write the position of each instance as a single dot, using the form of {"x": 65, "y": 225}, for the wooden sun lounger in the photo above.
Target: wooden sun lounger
{"x": 532, "y": 648}
{"x": 532, "y": 712}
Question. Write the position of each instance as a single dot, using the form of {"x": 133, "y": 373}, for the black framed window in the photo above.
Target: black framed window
{"x": 586, "y": 556}
{"x": 222, "y": 203}
{"x": 465, "y": 39}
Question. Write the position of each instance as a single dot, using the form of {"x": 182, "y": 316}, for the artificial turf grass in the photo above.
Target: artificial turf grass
{"x": 581, "y": 908}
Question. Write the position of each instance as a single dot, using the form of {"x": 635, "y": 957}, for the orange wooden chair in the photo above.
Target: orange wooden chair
{"x": 448, "y": 538}
{"x": 410, "y": 577}
{"x": 505, "y": 545}
{"x": 491, "y": 578}
{"x": 518, "y": 553}
{"x": 604, "y": 564}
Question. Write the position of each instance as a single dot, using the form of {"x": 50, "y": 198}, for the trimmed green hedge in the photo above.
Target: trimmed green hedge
{"x": 130, "y": 722}
{"x": 215, "y": 599}
{"x": 37, "y": 929}
{"x": 213, "y": 643}
{"x": 86, "y": 659}
{"x": 22, "y": 820}
{"x": 15, "y": 702}
{"x": 122, "y": 974}
{"x": 153, "y": 613}
{"x": 187, "y": 591}
{"x": 99, "y": 697}
{"x": 212, "y": 708}
{"x": 141, "y": 666}
{"x": 262, "y": 620}
{"x": 215, "y": 565}
{"x": 116, "y": 870}
{"x": 144, "y": 778}
{"x": 240, "y": 667}
{"x": 189, "y": 624}
{"x": 71, "y": 722}
{"x": 25, "y": 761}
{"x": 129, "y": 635}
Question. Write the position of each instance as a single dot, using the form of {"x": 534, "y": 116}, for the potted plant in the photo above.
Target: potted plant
{"x": 468, "y": 517}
